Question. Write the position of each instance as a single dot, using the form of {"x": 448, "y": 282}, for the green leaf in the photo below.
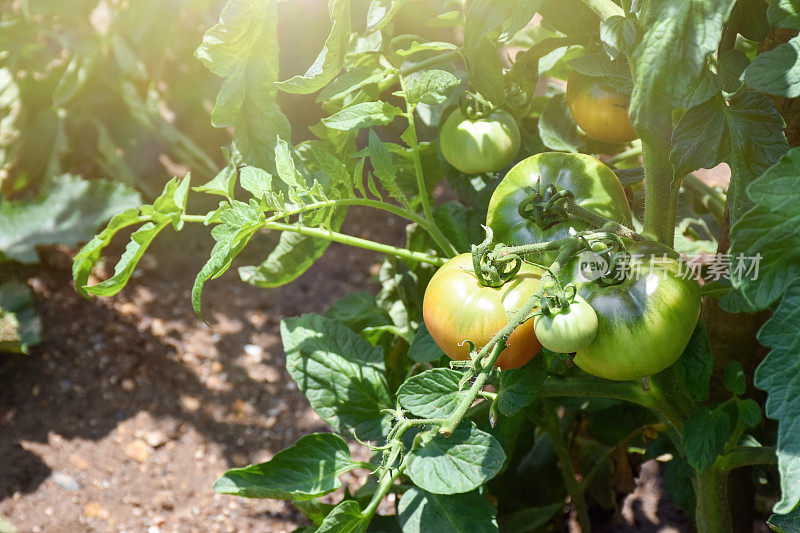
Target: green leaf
{"x": 358, "y": 311}
{"x": 381, "y": 12}
{"x": 693, "y": 369}
{"x": 291, "y": 257}
{"x": 223, "y": 184}
{"x": 10, "y": 115}
{"x": 238, "y": 224}
{"x": 679, "y": 35}
{"x": 734, "y": 378}
{"x": 421, "y": 511}
{"x": 784, "y": 14}
{"x": 350, "y": 81}
{"x": 345, "y": 518}
{"x": 307, "y": 470}
{"x": 243, "y": 48}
{"x": 618, "y": 35}
{"x": 340, "y": 373}
{"x": 430, "y": 46}
{"x": 785, "y": 523}
{"x": 461, "y": 225}
{"x": 330, "y": 60}
{"x": 519, "y": 387}
{"x": 530, "y": 519}
{"x": 749, "y": 412}
{"x": 363, "y": 115}
{"x": 20, "y": 328}
{"x": 488, "y": 23}
{"x": 88, "y": 256}
{"x": 432, "y": 394}
{"x": 776, "y": 71}
{"x": 777, "y": 375}
{"x": 768, "y": 232}
{"x": 705, "y": 434}
{"x": 459, "y": 463}
{"x": 747, "y": 134}
{"x": 424, "y": 349}
{"x": 68, "y": 211}
{"x": 749, "y": 17}
{"x": 314, "y": 510}
{"x": 384, "y": 167}
{"x": 256, "y": 181}
{"x": 430, "y": 87}
{"x": 557, "y": 128}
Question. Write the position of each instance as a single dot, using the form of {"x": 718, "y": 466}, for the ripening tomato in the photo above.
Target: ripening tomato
{"x": 600, "y": 110}
{"x": 487, "y": 144}
{"x": 569, "y": 329}
{"x": 593, "y": 184}
{"x": 458, "y": 308}
{"x": 644, "y": 322}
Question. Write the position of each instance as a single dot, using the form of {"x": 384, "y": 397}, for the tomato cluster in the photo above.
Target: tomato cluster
{"x": 633, "y": 321}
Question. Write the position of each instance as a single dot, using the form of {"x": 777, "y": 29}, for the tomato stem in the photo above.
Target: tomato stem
{"x": 661, "y": 196}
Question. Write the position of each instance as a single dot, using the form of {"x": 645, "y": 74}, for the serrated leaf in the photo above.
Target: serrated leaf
{"x": 776, "y": 71}
{"x": 678, "y": 475}
{"x": 749, "y": 412}
{"x": 432, "y": 394}
{"x": 694, "y": 367}
{"x": 618, "y": 35}
{"x": 307, "y": 470}
{"x": 424, "y": 349}
{"x": 243, "y": 48}
{"x": 362, "y": 115}
{"x": 384, "y": 167}
{"x": 459, "y": 463}
{"x": 784, "y": 14}
{"x": 256, "y": 181}
{"x": 557, "y": 128}
{"x": 421, "y": 511}
{"x": 430, "y": 87}
{"x": 519, "y": 387}
{"x": 785, "y": 523}
{"x": 734, "y": 378}
{"x": 705, "y": 434}
{"x": 340, "y": 373}
{"x": 779, "y": 375}
{"x": 223, "y": 184}
{"x": 351, "y": 81}
{"x": 67, "y": 211}
{"x": 20, "y": 328}
{"x": 678, "y": 36}
{"x": 330, "y": 59}
{"x": 239, "y": 223}
{"x": 769, "y": 232}
{"x": 344, "y": 518}
{"x": 747, "y": 134}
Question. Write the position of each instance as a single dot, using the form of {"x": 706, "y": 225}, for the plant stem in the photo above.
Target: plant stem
{"x": 661, "y": 197}
{"x": 551, "y": 425}
{"x": 631, "y": 152}
{"x": 742, "y": 456}
{"x": 424, "y": 194}
{"x": 387, "y": 479}
{"x": 358, "y": 242}
{"x": 599, "y": 221}
{"x": 712, "y": 512}
{"x": 709, "y": 197}
{"x": 628, "y": 391}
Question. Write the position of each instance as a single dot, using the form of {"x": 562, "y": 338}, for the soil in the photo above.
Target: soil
{"x": 131, "y": 407}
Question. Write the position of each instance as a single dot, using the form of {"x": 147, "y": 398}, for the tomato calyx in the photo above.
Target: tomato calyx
{"x": 545, "y": 208}
{"x": 493, "y": 267}
{"x": 474, "y": 106}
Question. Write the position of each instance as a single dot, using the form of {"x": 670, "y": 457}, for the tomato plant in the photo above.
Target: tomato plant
{"x": 483, "y": 144}
{"x": 458, "y": 308}
{"x": 494, "y": 437}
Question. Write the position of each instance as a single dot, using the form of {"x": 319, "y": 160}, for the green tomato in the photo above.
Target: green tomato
{"x": 487, "y": 144}
{"x": 568, "y": 329}
{"x": 594, "y": 185}
{"x": 645, "y": 321}
{"x": 458, "y": 308}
